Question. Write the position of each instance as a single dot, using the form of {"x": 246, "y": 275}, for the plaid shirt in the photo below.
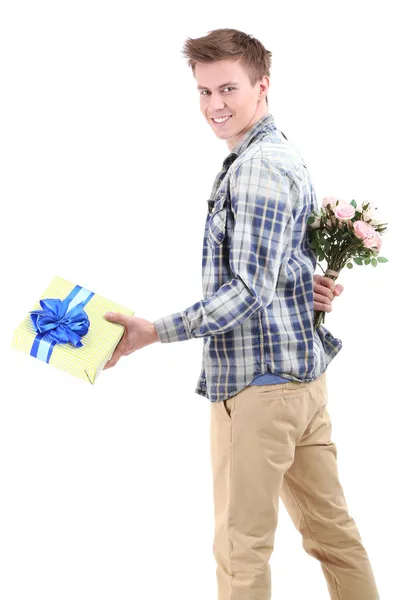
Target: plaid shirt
{"x": 256, "y": 316}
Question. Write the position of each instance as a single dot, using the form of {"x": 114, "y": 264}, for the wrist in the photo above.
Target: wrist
{"x": 155, "y": 336}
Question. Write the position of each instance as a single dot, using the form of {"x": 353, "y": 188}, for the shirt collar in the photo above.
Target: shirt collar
{"x": 263, "y": 124}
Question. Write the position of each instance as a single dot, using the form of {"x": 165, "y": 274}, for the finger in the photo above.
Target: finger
{"x": 322, "y": 299}
{"x": 119, "y": 351}
{"x": 326, "y": 281}
{"x": 116, "y": 318}
{"x": 338, "y": 289}
{"x": 114, "y": 359}
{"x": 111, "y": 363}
{"x": 322, "y": 306}
{"x": 323, "y": 291}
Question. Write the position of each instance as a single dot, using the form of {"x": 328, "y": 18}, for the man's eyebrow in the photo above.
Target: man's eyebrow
{"x": 202, "y": 87}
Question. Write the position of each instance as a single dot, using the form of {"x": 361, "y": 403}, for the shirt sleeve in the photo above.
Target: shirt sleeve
{"x": 261, "y": 200}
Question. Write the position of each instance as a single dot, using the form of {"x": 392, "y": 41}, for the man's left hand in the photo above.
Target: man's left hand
{"x": 325, "y": 291}
{"x": 138, "y": 333}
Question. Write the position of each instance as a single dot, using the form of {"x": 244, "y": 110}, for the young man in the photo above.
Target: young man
{"x": 264, "y": 365}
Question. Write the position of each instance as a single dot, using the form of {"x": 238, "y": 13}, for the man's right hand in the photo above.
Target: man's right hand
{"x": 325, "y": 291}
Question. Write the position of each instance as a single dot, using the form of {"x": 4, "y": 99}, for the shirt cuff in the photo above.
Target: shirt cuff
{"x": 173, "y": 328}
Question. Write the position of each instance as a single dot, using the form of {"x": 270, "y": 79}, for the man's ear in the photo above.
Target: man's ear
{"x": 264, "y": 86}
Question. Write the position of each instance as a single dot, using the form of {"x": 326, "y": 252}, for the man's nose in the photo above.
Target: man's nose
{"x": 216, "y": 104}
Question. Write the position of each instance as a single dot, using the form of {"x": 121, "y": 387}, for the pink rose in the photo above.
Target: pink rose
{"x": 344, "y": 211}
{"x": 373, "y": 242}
{"x": 370, "y": 237}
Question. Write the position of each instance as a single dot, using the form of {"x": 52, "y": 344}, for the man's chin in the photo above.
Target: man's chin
{"x": 221, "y": 132}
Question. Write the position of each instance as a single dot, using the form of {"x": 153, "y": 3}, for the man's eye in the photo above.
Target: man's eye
{"x": 227, "y": 88}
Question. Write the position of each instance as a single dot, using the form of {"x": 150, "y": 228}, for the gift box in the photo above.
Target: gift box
{"x": 68, "y": 330}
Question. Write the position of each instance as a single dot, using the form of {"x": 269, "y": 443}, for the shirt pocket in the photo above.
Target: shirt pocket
{"x": 217, "y": 222}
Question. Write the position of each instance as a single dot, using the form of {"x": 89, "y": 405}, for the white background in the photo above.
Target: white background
{"x": 106, "y": 166}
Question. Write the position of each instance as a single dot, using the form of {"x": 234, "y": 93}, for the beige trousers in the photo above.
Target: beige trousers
{"x": 272, "y": 441}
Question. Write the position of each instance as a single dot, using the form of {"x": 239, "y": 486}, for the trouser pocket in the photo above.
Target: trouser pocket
{"x": 228, "y": 406}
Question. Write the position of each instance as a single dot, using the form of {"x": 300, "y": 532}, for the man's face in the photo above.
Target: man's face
{"x": 225, "y": 89}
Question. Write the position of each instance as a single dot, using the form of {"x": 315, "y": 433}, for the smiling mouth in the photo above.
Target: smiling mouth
{"x": 221, "y": 122}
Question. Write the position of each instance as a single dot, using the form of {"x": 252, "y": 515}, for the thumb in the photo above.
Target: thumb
{"x": 338, "y": 289}
{"x": 115, "y": 318}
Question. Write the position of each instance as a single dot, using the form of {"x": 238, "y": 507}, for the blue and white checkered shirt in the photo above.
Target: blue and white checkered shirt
{"x": 256, "y": 316}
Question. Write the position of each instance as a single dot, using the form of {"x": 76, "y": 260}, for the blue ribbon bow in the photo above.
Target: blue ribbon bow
{"x": 60, "y": 325}
{"x": 60, "y": 322}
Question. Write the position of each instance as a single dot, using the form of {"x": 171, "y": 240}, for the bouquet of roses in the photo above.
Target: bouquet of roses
{"x": 341, "y": 232}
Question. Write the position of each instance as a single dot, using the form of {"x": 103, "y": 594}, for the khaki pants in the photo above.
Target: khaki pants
{"x": 274, "y": 441}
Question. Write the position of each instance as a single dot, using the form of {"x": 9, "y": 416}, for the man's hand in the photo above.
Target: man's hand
{"x": 325, "y": 291}
{"x": 138, "y": 333}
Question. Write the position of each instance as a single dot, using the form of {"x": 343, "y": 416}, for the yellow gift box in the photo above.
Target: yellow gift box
{"x": 98, "y": 344}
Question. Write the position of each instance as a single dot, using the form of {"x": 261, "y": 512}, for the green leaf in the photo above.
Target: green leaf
{"x": 367, "y": 261}
{"x": 358, "y": 261}
{"x": 354, "y": 203}
{"x": 382, "y": 259}
{"x": 349, "y": 265}
{"x": 310, "y": 220}
{"x": 374, "y": 262}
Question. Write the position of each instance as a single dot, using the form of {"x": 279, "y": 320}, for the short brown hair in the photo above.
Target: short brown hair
{"x": 221, "y": 44}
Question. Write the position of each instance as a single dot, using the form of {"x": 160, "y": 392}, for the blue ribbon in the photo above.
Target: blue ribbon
{"x": 60, "y": 322}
